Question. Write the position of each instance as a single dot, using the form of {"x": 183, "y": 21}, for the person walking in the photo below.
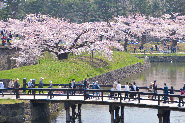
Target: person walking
{"x": 30, "y": 85}
{"x": 171, "y": 92}
{"x": 182, "y": 93}
{"x": 126, "y": 89}
{"x": 73, "y": 86}
{"x": 97, "y": 87}
{"x": 10, "y": 85}
{"x": 50, "y": 86}
{"x": 155, "y": 89}
{"x": 165, "y": 91}
{"x": 85, "y": 83}
{"x": 93, "y": 87}
{"x": 1, "y": 86}
{"x": 16, "y": 86}
{"x": 41, "y": 84}
{"x": 184, "y": 87}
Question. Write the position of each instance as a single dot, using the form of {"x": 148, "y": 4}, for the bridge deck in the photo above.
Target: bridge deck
{"x": 79, "y": 98}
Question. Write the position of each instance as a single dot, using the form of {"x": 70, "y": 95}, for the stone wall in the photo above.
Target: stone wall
{"x": 110, "y": 77}
{"x": 167, "y": 58}
{"x": 5, "y": 58}
{"x": 26, "y": 111}
{"x": 8, "y": 61}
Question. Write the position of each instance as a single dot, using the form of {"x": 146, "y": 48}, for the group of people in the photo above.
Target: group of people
{"x": 166, "y": 91}
{"x": 5, "y": 37}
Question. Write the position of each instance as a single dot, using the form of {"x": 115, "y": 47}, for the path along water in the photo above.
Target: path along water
{"x": 171, "y": 73}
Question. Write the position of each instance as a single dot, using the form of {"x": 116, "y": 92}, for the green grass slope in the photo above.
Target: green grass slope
{"x": 77, "y": 67}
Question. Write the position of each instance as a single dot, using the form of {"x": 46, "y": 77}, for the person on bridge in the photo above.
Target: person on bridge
{"x": 10, "y": 85}
{"x": 165, "y": 91}
{"x": 16, "y": 85}
{"x": 97, "y": 87}
{"x": 41, "y": 84}
{"x": 155, "y": 88}
{"x": 182, "y": 93}
{"x": 85, "y": 83}
{"x": 171, "y": 92}
{"x": 73, "y": 86}
{"x": 184, "y": 87}
{"x": 30, "y": 85}
{"x": 1, "y": 86}
{"x": 50, "y": 86}
{"x": 126, "y": 89}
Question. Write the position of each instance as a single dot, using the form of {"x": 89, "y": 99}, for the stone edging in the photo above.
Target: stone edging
{"x": 110, "y": 77}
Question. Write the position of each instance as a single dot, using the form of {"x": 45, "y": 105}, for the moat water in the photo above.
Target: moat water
{"x": 171, "y": 73}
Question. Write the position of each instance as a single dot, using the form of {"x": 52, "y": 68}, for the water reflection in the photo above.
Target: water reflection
{"x": 171, "y": 73}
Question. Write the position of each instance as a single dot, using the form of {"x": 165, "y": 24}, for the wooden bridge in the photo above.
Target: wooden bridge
{"x": 115, "y": 99}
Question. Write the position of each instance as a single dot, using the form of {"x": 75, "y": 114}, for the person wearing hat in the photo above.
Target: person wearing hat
{"x": 30, "y": 85}
{"x": 41, "y": 84}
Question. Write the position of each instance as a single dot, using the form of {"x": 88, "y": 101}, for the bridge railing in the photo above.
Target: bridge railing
{"x": 96, "y": 93}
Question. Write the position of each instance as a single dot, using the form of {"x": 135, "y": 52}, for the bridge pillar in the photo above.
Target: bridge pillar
{"x": 111, "y": 110}
{"x": 67, "y": 108}
{"x": 164, "y": 116}
{"x": 114, "y": 111}
{"x": 79, "y": 112}
{"x": 122, "y": 114}
{"x": 117, "y": 119}
{"x": 73, "y": 113}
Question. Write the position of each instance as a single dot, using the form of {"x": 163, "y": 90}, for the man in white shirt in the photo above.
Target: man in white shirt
{"x": 118, "y": 88}
{"x": 126, "y": 89}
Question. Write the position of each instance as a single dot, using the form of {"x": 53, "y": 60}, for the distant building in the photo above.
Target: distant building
{"x": 1, "y": 5}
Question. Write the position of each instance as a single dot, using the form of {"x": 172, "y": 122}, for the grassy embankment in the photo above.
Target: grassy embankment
{"x": 10, "y": 101}
{"x": 78, "y": 67}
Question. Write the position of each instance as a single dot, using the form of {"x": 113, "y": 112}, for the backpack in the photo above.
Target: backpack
{"x": 97, "y": 86}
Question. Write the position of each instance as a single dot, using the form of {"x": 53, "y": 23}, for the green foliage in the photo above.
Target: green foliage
{"x": 78, "y": 67}
{"x": 89, "y": 10}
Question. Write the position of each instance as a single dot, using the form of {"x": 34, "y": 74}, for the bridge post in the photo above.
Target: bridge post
{"x": 111, "y": 110}
{"x": 17, "y": 93}
{"x": 117, "y": 114}
{"x": 67, "y": 108}
{"x": 122, "y": 114}
{"x": 79, "y": 111}
{"x": 73, "y": 113}
{"x": 164, "y": 116}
